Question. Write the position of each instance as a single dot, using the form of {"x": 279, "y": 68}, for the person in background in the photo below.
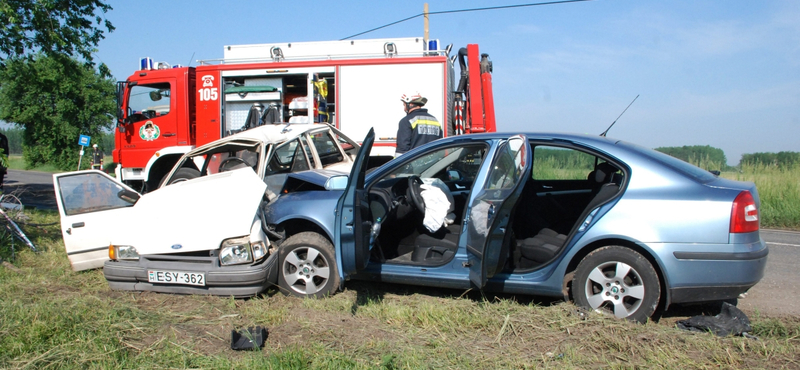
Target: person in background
{"x": 4, "y": 165}
{"x": 418, "y": 126}
{"x": 97, "y": 158}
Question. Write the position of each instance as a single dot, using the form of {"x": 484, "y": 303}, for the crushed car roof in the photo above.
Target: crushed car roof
{"x": 278, "y": 133}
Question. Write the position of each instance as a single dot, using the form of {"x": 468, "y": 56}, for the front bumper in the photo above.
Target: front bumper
{"x": 238, "y": 281}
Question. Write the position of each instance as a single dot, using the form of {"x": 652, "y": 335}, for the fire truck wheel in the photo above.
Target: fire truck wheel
{"x": 183, "y": 174}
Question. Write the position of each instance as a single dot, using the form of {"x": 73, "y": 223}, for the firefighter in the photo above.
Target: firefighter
{"x": 4, "y": 147}
{"x": 97, "y": 158}
{"x": 418, "y": 126}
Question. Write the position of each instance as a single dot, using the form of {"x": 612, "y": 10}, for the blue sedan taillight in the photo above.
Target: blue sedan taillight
{"x": 744, "y": 214}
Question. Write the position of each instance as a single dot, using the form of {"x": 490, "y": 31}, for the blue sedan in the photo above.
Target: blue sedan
{"x": 611, "y": 225}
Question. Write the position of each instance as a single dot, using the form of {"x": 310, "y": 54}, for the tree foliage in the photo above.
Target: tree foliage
{"x": 704, "y": 156}
{"x": 55, "y": 107}
{"x": 60, "y": 29}
{"x": 781, "y": 159}
{"x": 14, "y": 136}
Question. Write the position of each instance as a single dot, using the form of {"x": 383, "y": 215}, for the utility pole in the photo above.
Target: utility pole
{"x": 425, "y": 11}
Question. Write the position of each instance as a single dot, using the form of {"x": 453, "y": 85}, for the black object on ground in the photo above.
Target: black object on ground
{"x": 248, "y": 339}
{"x": 730, "y": 321}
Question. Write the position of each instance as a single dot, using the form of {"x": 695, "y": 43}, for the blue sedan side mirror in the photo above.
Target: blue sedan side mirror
{"x": 336, "y": 183}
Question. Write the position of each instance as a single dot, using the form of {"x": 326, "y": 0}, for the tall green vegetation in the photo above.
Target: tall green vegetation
{"x": 703, "y": 156}
{"x": 784, "y": 160}
{"x": 55, "y": 102}
{"x": 60, "y": 29}
{"x": 14, "y": 136}
{"x": 48, "y": 82}
{"x": 779, "y": 191}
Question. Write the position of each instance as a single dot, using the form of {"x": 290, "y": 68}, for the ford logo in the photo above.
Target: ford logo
{"x": 177, "y": 246}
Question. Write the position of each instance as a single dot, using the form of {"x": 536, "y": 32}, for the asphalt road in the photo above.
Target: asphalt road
{"x": 34, "y": 189}
{"x": 777, "y": 294}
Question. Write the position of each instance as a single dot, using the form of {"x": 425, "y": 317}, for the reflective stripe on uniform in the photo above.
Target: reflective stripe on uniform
{"x": 424, "y": 120}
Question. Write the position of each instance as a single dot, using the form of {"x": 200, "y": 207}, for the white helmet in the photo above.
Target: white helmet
{"x": 413, "y": 98}
{"x": 94, "y": 146}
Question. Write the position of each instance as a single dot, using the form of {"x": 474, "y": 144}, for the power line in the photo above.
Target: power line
{"x": 464, "y": 11}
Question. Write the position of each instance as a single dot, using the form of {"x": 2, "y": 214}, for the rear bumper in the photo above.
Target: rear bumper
{"x": 723, "y": 271}
{"x": 237, "y": 281}
{"x": 706, "y": 294}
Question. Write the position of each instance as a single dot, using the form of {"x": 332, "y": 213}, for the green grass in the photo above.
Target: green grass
{"x": 52, "y": 317}
{"x": 16, "y": 162}
{"x": 779, "y": 191}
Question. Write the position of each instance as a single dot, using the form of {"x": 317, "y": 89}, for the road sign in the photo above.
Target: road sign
{"x": 84, "y": 140}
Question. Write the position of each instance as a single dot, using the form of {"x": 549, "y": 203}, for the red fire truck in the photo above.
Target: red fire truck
{"x": 354, "y": 85}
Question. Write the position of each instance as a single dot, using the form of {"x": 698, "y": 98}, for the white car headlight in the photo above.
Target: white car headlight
{"x": 259, "y": 250}
{"x": 235, "y": 251}
{"x": 123, "y": 253}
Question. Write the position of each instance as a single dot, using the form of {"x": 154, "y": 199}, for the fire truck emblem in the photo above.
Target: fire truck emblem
{"x": 208, "y": 80}
{"x": 149, "y": 131}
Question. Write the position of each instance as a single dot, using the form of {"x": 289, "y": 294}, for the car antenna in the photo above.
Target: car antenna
{"x": 190, "y": 59}
{"x": 620, "y": 115}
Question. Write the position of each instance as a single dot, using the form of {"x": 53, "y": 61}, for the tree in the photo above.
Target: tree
{"x": 54, "y": 106}
{"x": 60, "y": 29}
{"x": 780, "y": 159}
{"x": 14, "y": 136}
{"x": 701, "y": 155}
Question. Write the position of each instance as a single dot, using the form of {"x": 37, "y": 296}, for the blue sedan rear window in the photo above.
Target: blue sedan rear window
{"x": 687, "y": 169}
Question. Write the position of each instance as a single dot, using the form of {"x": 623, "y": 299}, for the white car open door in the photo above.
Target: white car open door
{"x": 91, "y": 204}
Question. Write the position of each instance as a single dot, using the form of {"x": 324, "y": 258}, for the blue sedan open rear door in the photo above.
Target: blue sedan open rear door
{"x": 492, "y": 206}
{"x": 353, "y": 217}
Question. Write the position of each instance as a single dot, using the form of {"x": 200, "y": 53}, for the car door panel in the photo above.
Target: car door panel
{"x": 91, "y": 208}
{"x": 491, "y": 207}
{"x": 353, "y": 217}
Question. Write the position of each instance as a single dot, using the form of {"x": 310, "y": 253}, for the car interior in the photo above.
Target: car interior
{"x": 563, "y": 188}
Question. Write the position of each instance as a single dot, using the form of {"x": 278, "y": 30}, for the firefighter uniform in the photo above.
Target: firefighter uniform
{"x": 97, "y": 158}
{"x": 417, "y": 128}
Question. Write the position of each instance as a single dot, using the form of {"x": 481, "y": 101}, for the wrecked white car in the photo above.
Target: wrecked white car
{"x": 202, "y": 231}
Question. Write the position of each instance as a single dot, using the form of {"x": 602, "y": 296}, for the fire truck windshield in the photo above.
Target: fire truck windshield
{"x": 148, "y": 101}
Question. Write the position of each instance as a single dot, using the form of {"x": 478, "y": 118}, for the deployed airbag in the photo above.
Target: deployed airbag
{"x": 437, "y": 204}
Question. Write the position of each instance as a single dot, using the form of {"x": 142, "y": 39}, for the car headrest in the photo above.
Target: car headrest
{"x": 603, "y": 172}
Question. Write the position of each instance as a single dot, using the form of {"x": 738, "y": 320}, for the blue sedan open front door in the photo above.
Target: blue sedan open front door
{"x": 353, "y": 217}
{"x": 490, "y": 211}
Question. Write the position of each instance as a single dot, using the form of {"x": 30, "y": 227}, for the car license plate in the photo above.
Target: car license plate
{"x": 176, "y": 277}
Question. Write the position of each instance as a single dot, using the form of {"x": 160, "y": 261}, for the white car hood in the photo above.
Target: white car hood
{"x": 193, "y": 215}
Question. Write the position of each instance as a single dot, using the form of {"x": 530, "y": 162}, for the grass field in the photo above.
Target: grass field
{"x": 779, "y": 190}
{"x": 54, "y": 318}
{"x": 17, "y": 163}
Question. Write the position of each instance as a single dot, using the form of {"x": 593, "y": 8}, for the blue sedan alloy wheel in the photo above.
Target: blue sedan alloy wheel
{"x": 619, "y": 281}
{"x": 308, "y": 266}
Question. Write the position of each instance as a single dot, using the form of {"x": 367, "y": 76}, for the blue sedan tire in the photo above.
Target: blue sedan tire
{"x": 617, "y": 280}
{"x": 307, "y": 266}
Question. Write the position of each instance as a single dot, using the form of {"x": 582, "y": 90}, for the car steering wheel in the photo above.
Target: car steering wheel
{"x": 414, "y": 192}
{"x": 232, "y": 163}
{"x": 136, "y": 117}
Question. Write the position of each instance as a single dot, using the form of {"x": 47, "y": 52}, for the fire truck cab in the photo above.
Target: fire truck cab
{"x": 353, "y": 85}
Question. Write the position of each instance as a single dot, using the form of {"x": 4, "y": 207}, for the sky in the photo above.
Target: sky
{"x": 707, "y": 72}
